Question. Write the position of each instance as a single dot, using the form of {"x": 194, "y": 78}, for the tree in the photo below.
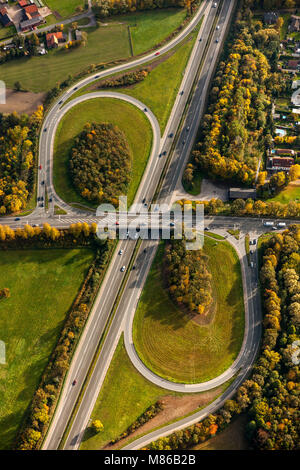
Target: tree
{"x": 4, "y": 293}
{"x": 17, "y": 86}
{"x": 97, "y": 426}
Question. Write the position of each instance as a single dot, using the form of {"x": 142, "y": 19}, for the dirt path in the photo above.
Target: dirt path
{"x": 173, "y": 407}
{"x": 21, "y": 102}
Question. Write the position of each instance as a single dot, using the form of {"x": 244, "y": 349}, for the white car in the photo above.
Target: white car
{"x": 123, "y": 269}
{"x": 120, "y": 252}
{"x": 218, "y": 27}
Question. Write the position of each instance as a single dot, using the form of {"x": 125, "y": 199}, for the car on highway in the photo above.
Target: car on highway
{"x": 40, "y": 167}
{"x": 165, "y": 152}
{"x": 120, "y": 252}
{"x": 43, "y": 182}
{"x": 45, "y": 130}
{"x": 123, "y": 269}
{"x": 172, "y": 224}
{"x": 50, "y": 200}
{"x": 76, "y": 88}
{"x": 97, "y": 76}
{"x": 60, "y": 102}
{"x": 157, "y": 53}
{"x": 218, "y": 27}
{"x": 74, "y": 382}
{"x": 181, "y": 93}
{"x": 200, "y": 39}
{"x": 35, "y": 225}
{"x": 215, "y": 5}
{"x": 171, "y": 135}
{"x": 145, "y": 109}
{"x": 117, "y": 223}
{"x": 183, "y": 142}
{"x": 188, "y": 128}
{"x": 17, "y": 218}
{"x": 217, "y": 40}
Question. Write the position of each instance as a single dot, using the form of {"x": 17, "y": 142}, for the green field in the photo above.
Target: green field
{"x": 64, "y": 7}
{"x": 124, "y": 115}
{"x": 7, "y": 32}
{"x": 43, "y": 72}
{"x": 144, "y": 35}
{"x": 179, "y": 349}
{"x": 43, "y": 285}
{"x": 124, "y": 396}
{"x": 290, "y": 193}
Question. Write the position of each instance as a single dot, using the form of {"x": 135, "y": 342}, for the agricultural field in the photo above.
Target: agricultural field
{"x": 176, "y": 347}
{"x": 290, "y": 193}
{"x": 124, "y": 115}
{"x": 43, "y": 285}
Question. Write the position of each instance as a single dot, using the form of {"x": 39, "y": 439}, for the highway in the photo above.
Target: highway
{"x": 159, "y": 185}
{"x": 106, "y": 297}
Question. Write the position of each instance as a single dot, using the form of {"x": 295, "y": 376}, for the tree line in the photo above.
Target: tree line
{"x": 237, "y": 129}
{"x": 104, "y": 8}
{"x": 18, "y": 141}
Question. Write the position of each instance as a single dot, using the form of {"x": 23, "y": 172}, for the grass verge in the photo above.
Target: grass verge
{"x": 180, "y": 349}
{"x": 124, "y": 115}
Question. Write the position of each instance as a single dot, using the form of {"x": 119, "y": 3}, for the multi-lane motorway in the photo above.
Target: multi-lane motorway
{"x": 183, "y": 124}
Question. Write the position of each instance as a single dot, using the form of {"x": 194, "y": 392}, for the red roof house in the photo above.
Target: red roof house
{"x": 31, "y": 10}
{"x": 53, "y": 39}
{"x": 22, "y": 3}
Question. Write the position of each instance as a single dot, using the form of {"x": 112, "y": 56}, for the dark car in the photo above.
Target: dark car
{"x": 165, "y": 152}
{"x": 60, "y": 102}
{"x": 38, "y": 199}
{"x": 145, "y": 109}
{"x": 97, "y": 76}
{"x": 50, "y": 200}
{"x": 74, "y": 382}
{"x": 45, "y": 130}
{"x": 76, "y": 88}
{"x": 43, "y": 182}
{"x": 171, "y": 135}
{"x": 18, "y": 218}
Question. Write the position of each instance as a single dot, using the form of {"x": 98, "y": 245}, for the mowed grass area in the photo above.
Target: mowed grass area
{"x": 179, "y": 349}
{"x": 43, "y": 285}
{"x": 290, "y": 193}
{"x": 149, "y": 28}
{"x": 65, "y": 7}
{"x": 43, "y": 72}
{"x": 125, "y": 395}
{"x": 105, "y": 44}
{"x": 159, "y": 89}
{"x": 127, "y": 117}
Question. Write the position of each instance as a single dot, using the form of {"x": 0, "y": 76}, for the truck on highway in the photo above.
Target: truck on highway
{"x": 268, "y": 224}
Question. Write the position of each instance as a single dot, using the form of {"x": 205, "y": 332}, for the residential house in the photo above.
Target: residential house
{"x": 5, "y": 19}
{"x": 31, "y": 23}
{"x": 295, "y": 24}
{"x": 23, "y": 3}
{"x": 54, "y": 39}
{"x": 31, "y": 10}
{"x": 275, "y": 164}
{"x": 270, "y": 17}
{"x": 293, "y": 64}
